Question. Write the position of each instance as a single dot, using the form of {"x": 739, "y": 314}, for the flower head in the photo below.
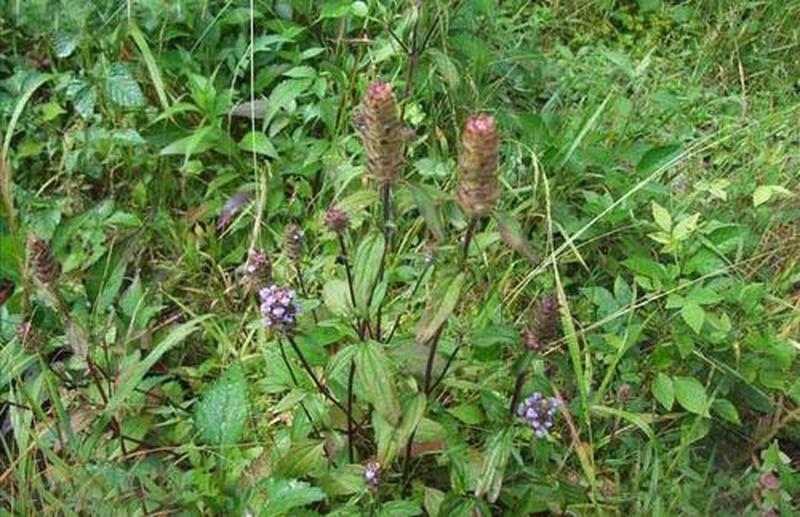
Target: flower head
{"x": 372, "y": 474}
{"x": 293, "y": 242}
{"x": 336, "y": 220}
{"x": 478, "y": 186}
{"x": 279, "y": 308}
{"x": 543, "y": 327}
{"x": 381, "y": 131}
{"x": 45, "y": 268}
{"x": 539, "y": 412}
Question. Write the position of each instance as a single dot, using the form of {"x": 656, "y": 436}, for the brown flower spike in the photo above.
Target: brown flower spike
{"x": 382, "y": 132}
{"x": 478, "y": 187}
{"x": 44, "y": 267}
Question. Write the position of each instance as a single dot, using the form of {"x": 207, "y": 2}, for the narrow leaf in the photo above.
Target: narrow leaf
{"x": 441, "y": 305}
{"x": 427, "y": 207}
{"x": 366, "y": 269}
{"x": 374, "y": 374}
{"x": 514, "y": 236}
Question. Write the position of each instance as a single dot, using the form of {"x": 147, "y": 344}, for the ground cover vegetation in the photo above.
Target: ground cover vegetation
{"x": 341, "y": 257}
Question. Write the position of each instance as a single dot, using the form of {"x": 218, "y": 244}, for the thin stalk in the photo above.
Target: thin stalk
{"x": 347, "y": 270}
{"x": 321, "y": 387}
{"x": 447, "y": 365}
{"x": 517, "y": 390}
{"x": 294, "y": 381}
{"x": 350, "y": 378}
{"x": 473, "y": 223}
{"x": 302, "y": 285}
{"x": 431, "y": 357}
{"x": 413, "y": 292}
{"x": 386, "y": 194}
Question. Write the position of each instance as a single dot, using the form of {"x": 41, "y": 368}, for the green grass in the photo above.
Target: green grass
{"x": 649, "y": 169}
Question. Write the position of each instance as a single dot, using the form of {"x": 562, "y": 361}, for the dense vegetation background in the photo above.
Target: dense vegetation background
{"x": 641, "y": 266}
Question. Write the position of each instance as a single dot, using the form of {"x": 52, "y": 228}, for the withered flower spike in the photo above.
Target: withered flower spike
{"x": 382, "y": 132}
{"x": 293, "y": 242}
{"x": 544, "y": 324}
{"x": 44, "y": 266}
{"x": 478, "y": 187}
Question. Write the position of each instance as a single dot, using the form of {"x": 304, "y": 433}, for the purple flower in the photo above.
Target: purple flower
{"x": 539, "y": 412}
{"x": 372, "y": 474}
{"x": 279, "y": 308}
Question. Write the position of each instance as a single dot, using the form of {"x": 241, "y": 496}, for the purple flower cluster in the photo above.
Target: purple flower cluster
{"x": 539, "y": 411}
{"x": 279, "y": 308}
{"x": 372, "y": 474}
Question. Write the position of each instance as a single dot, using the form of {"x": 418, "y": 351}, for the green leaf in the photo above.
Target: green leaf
{"x": 286, "y": 494}
{"x": 442, "y": 303}
{"x": 402, "y": 508}
{"x": 301, "y": 459}
{"x": 374, "y": 374}
{"x": 661, "y": 217}
{"x": 256, "y": 141}
{"x": 131, "y": 377}
{"x": 637, "y": 419}
{"x": 427, "y": 208}
{"x": 334, "y": 9}
{"x": 764, "y": 193}
{"x": 470, "y": 414}
{"x": 284, "y": 95}
{"x": 221, "y": 414}
{"x": 66, "y": 42}
{"x": 693, "y": 315}
{"x": 122, "y": 88}
{"x": 498, "y": 450}
{"x": 512, "y": 234}
{"x": 656, "y": 158}
{"x": 725, "y": 409}
{"x": 345, "y": 480}
{"x": 691, "y": 395}
{"x": 685, "y": 227}
{"x": 336, "y": 296}
{"x": 663, "y": 391}
{"x": 366, "y": 268}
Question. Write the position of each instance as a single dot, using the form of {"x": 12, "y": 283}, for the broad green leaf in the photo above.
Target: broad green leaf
{"x": 427, "y": 208}
{"x": 256, "y": 141}
{"x": 726, "y": 410}
{"x": 287, "y": 494}
{"x": 691, "y": 395}
{"x": 366, "y": 268}
{"x": 512, "y": 234}
{"x": 412, "y": 415}
{"x": 221, "y": 414}
{"x": 470, "y": 414}
{"x": 498, "y": 450}
{"x": 151, "y": 63}
{"x": 656, "y": 158}
{"x": 764, "y": 193}
{"x": 334, "y": 9}
{"x": 663, "y": 391}
{"x": 199, "y": 141}
{"x": 345, "y": 480}
{"x": 442, "y": 303}
{"x": 402, "y": 508}
{"x": 661, "y": 217}
{"x": 639, "y": 420}
{"x": 336, "y": 296}
{"x": 685, "y": 227}
{"x": 66, "y": 42}
{"x": 284, "y": 95}
{"x": 130, "y": 378}
{"x": 693, "y": 315}
{"x": 301, "y": 459}
{"x": 122, "y": 88}
{"x": 375, "y": 375}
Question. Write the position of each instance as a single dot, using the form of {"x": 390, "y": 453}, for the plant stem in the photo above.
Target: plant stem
{"x": 348, "y": 272}
{"x": 431, "y": 356}
{"x": 517, "y": 390}
{"x": 447, "y": 365}
{"x": 350, "y": 378}
{"x": 321, "y": 387}
{"x": 302, "y": 285}
{"x": 473, "y": 223}
{"x": 294, "y": 380}
{"x": 386, "y": 191}
{"x": 413, "y": 292}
